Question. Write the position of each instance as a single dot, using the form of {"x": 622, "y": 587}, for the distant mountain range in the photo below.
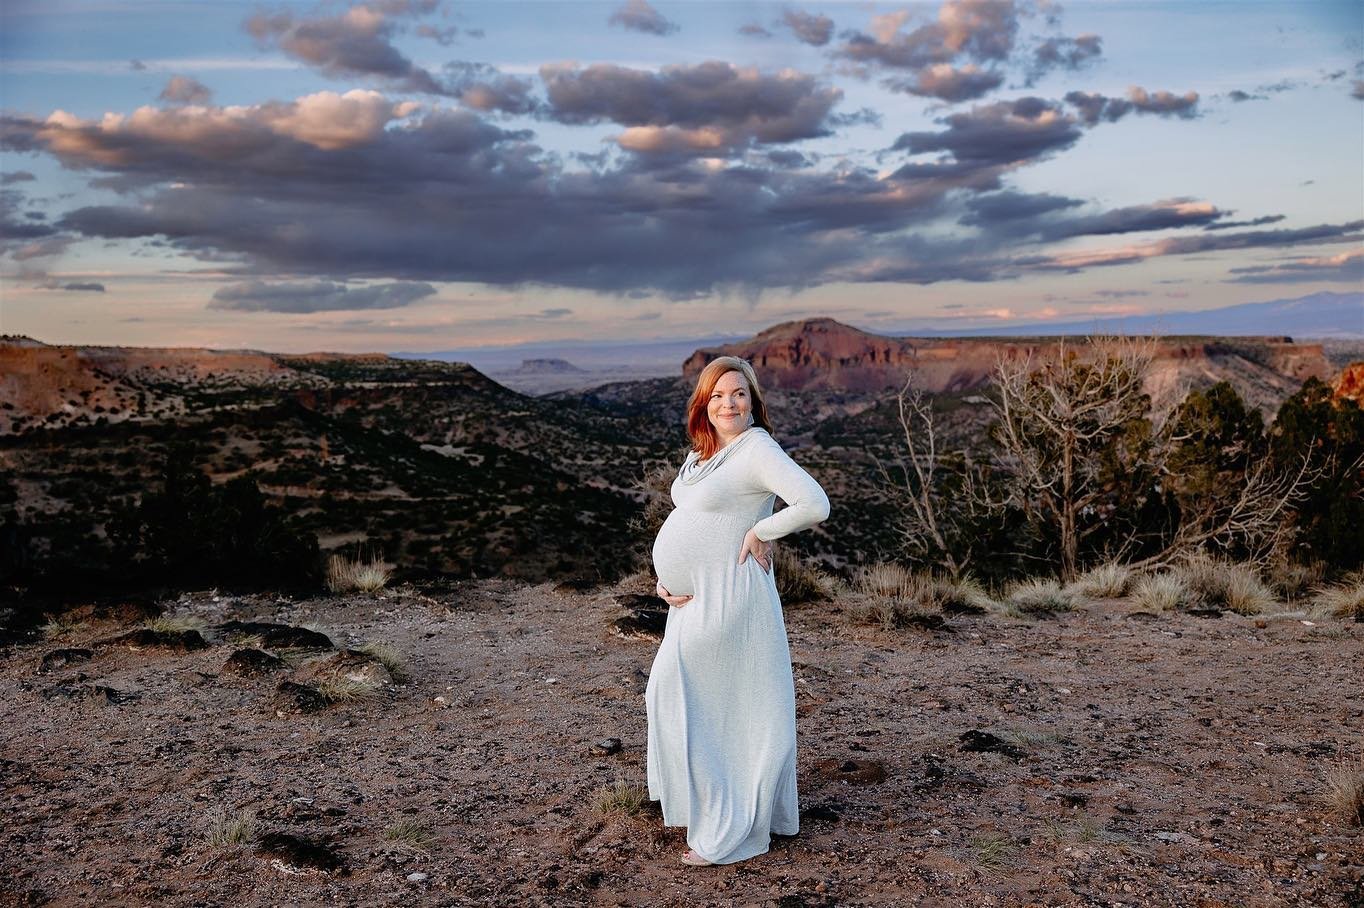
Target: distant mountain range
{"x": 1321, "y": 315}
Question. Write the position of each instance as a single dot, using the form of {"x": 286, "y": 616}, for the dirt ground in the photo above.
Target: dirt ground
{"x": 1156, "y": 760}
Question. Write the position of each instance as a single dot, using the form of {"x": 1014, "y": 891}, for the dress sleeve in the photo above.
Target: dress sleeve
{"x": 772, "y": 469}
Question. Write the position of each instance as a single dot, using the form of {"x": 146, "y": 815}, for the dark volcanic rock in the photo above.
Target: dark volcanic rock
{"x": 300, "y": 853}
{"x": 146, "y": 638}
{"x": 99, "y": 693}
{"x": 252, "y": 663}
{"x": 636, "y": 602}
{"x": 576, "y": 585}
{"x": 278, "y": 635}
{"x": 820, "y": 813}
{"x": 976, "y": 741}
{"x": 294, "y": 698}
{"x": 929, "y": 621}
{"x": 853, "y": 772}
{"x": 641, "y": 624}
{"x": 60, "y": 658}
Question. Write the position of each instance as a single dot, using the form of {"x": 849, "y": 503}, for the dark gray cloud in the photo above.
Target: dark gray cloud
{"x": 948, "y": 83}
{"x": 1192, "y": 245}
{"x": 1253, "y": 222}
{"x": 484, "y": 87}
{"x": 1009, "y": 205}
{"x": 185, "y": 90}
{"x": 136, "y": 65}
{"x": 274, "y": 190}
{"x": 11, "y": 228}
{"x": 1060, "y": 52}
{"x": 1240, "y": 96}
{"x": 1040, "y": 217}
{"x": 754, "y": 30}
{"x": 1094, "y": 107}
{"x": 82, "y": 286}
{"x": 788, "y": 159}
{"x": 1357, "y": 92}
{"x": 43, "y": 247}
{"x": 316, "y": 296}
{"x": 452, "y": 197}
{"x": 1005, "y": 132}
{"x": 640, "y": 16}
{"x": 1121, "y": 294}
{"x": 1166, "y": 215}
{"x": 809, "y": 28}
{"x": 358, "y": 42}
{"x": 1345, "y": 267}
{"x": 16, "y": 176}
{"x": 710, "y": 108}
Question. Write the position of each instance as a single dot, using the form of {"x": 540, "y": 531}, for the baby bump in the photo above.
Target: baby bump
{"x": 674, "y": 555}
{"x": 695, "y": 543}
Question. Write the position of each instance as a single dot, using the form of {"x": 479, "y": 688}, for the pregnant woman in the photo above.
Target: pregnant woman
{"x": 720, "y": 697}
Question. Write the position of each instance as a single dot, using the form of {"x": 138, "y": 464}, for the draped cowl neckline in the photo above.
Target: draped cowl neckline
{"x": 694, "y": 470}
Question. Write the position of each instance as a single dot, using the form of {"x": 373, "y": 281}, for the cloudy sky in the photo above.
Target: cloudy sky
{"x": 427, "y": 174}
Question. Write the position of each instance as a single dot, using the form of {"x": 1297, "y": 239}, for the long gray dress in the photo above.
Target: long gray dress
{"x": 720, "y": 697}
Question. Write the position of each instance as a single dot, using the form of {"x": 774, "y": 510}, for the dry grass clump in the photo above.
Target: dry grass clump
{"x": 1344, "y": 599}
{"x": 1038, "y": 596}
{"x": 892, "y": 581}
{"x": 798, "y": 580}
{"x": 389, "y": 658}
{"x": 171, "y": 624}
{"x": 964, "y": 595}
{"x": 1225, "y": 584}
{"x": 411, "y": 834}
{"x": 620, "y": 797}
{"x": 367, "y": 575}
{"x": 887, "y": 580}
{"x": 60, "y": 627}
{"x": 891, "y": 614}
{"x": 892, "y": 596}
{"x": 1292, "y": 581}
{"x": 1162, "y": 593}
{"x": 348, "y": 690}
{"x": 993, "y": 850}
{"x": 1344, "y": 792}
{"x": 1107, "y": 581}
{"x": 231, "y": 829}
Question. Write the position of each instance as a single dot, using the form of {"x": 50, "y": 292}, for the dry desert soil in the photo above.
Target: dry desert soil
{"x": 1106, "y": 756}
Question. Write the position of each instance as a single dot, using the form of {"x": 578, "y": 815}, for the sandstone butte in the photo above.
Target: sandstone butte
{"x": 825, "y": 354}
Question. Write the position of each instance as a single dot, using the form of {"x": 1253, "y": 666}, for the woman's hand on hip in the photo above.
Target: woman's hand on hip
{"x": 761, "y": 551}
{"x": 674, "y": 601}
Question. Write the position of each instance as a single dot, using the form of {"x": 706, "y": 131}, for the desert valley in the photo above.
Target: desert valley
{"x": 458, "y": 720}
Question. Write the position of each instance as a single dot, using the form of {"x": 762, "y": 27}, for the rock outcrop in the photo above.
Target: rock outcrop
{"x": 827, "y": 355}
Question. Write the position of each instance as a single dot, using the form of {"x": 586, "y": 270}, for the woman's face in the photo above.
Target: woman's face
{"x": 730, "y": 406}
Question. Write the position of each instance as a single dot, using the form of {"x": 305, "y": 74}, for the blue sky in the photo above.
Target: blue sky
{"x": 415, "y": 174}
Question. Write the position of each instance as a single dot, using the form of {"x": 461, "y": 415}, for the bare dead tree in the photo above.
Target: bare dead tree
{"x": 929, "y": 528}
{"x": 1055, "y": 418}
{"x": 1257, "y": 515}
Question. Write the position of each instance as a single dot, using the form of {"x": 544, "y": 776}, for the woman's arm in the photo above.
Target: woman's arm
{"x": 806, "y": 504}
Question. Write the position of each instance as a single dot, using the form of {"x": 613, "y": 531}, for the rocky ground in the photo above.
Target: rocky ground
{"x": 1103, "y": 757}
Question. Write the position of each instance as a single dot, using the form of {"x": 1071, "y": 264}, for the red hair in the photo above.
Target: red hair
{"x": 705, "y": 441}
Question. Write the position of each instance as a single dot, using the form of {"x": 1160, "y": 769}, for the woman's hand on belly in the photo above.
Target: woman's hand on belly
{"x": 674, "y": 601}
{"x": 761, "y": 551}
